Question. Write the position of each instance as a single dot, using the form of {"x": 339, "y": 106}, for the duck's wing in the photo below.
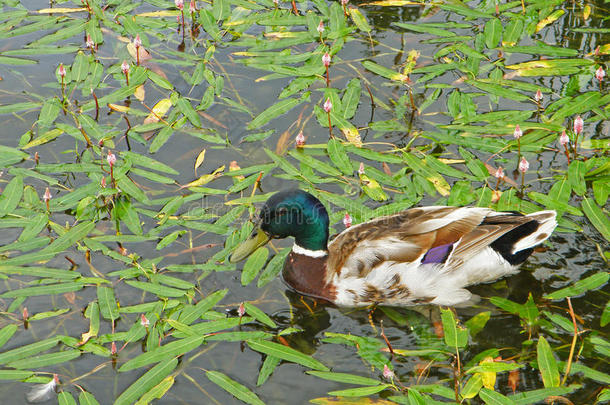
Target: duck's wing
{"x": 409, "y": 235}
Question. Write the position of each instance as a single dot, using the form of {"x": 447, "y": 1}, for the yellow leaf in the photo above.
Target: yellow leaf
{"x": 162, "y": 13}
{"x": 285, "y": 34}
{"x": 549, "y": 20}
{"x": 199, "y": 160}
{"x": 440, "y": 184}
{"x": 488, "y": 377}
{"x": 85, "y": 337}
{"x": 586, "y": 12}
{"x": 372, "y": 188}
{"x": 158, "y": 391}
{"x": 140, "y": 93}
{"x": 61, "y": 10}
{"x": 234, "y": 166}
{"x": 392, "y": 3}
{"x": 205, "y": 179}
{"x": 144, "y": 55}
{"x": 158, "y": 111}
{"x": 118, "y": 107}
{"x": 353, "y": 136}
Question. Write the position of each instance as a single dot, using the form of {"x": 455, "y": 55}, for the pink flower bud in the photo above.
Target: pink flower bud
{"x": 144, "y": 321}
{"x": 300, "y": 140}
{"x": 524, "y": 165}
{"x": 600, "y": 73}
{"x": 538, "y": 97}
{"x": 192, "y": 7}
{"x": 326, "y": 59}
{"x": 344, "y": 2}
{"x": 103, "y": 182}
{"x": 347, "y": 220}
{"x": 125, "y": 67}
{"x": 113, "y": 350}
{"x": 564, "y": 139}
{"x": 517, "y": 133}
{"x": 387, "y": 373}
{"x": 361, "y": 168}
{"x": 328, "y": 105}
{"x": 320, "y": 27}
{"x": 47, "y": 195}
{"x": 276, "y": 2}
{"x": 241, "y": 310}
{"x": 179, "y": 4}
{"x": 578, "y": 125}
{"x": 61, "y": 70}
{"x": 25, "y": 315}
{"x": 111, "y": 158}
{"x": 499, "y": 173}
{"x": 137, "y": 42}
{"x": 90, "y": 43}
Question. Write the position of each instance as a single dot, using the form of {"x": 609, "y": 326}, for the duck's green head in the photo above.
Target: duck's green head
{"x": 288, "y": 213}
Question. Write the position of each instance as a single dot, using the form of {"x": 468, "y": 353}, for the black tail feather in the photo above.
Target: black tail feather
{"x": 504, "y": 245}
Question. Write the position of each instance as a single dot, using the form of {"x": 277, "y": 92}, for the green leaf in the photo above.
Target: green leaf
{"x": 87, "y": 398}
{"x": 191, "y": 313}
{"x": 162, "y": 353}
{"x": 189, "y": 112}
{"x": 477, "y": 322}
{"x": 547, "y": 364}
{"x": 15, "y": 374}
{"x": 339, "y": 157}
{"x": 253, "y": 265}
{"x": 360, "y": 392}
{"x": 455, "y": 335}
{"x": 274, "y": 111}
{"x": 45, "y": 360}
{"x": 426, "y": 28}
{"x": 351, "y": 99}
{"x": 588, "y": 372}
{"x": 157, "y": 289}
{"x": 275, "y": 265}
{"x": 539, "y": 395}
{"x": 314, "y": 163}
{"x": 580, "y": 287}
{"x": 23, "y": 352}
{"x": 11, "y": 195}
{"x": 6, "y": 333}
{"x": 259, "y": 315}
{"x": 494, "y": 398}
{"x": 270, "y": 363}
{"x": 597, "y": 217}
{"x": 493, "y": 33}
{"x": 52, "y": 289}
{"x": 344, "y": 377}
{"x": 359, "y": 19}
{"x": 605, "y": 319}
{"x": 286, "y": 353}
{"x": 576, "y": 177}
{"x": 68, "y": 239}
{"x": 107, "y": 302}
{"x": 143, "y": 384}
{"x": 234, "y": 388}
{"x": 65, "y": 398}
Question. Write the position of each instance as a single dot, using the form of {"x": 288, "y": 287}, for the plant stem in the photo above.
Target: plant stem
{"x": 330, "y": 126}
{"x": 573, "y": 345}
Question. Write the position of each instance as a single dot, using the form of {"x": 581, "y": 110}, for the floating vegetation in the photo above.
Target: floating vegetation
{"x": 140, "y": 137}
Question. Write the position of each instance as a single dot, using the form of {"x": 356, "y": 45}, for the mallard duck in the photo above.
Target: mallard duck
{"x": 424, "y": 255}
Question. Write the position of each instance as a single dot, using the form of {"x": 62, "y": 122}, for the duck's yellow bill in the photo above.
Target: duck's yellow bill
{"x": 247, "y": 247}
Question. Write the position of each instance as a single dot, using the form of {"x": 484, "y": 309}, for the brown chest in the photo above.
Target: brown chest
{"x": 307, "y": 276}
